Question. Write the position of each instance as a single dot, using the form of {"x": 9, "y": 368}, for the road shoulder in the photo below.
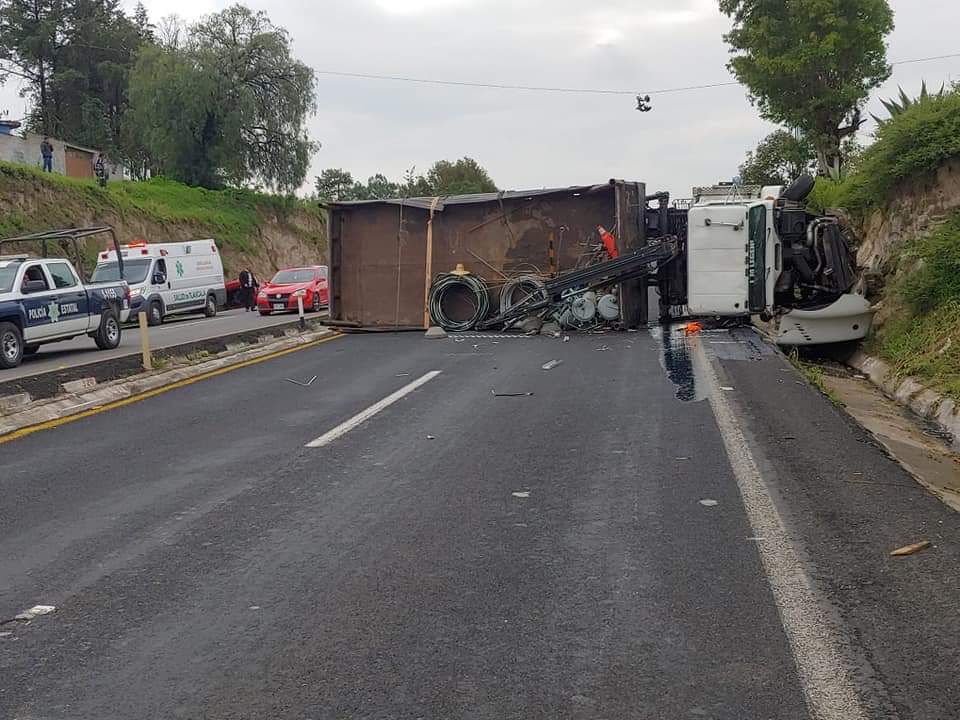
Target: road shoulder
{"x": 847, "y": 504}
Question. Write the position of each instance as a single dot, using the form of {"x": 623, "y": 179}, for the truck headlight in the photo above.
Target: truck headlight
{"x": 136, "y": 292}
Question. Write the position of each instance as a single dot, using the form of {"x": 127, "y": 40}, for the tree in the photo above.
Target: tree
{"x": 811, "y": 64}
{"x": 30, "y": 41}
{"x": 779, "y": 159}
{"x": 458, "y": 178}
{"x": 334, "y": 184}
{"x": 229, "y": 106}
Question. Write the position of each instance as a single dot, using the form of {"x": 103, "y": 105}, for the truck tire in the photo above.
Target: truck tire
{"x": 108, "y": 334}
{"x": 799, "y": 189}
{"x": 154, "y": 313}
{"x": 210, "y": 307}
{"x": 11, "y": 345}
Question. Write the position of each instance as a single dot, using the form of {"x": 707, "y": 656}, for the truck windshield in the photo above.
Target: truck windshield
{"x": 134, "y": 270}
{"x": 285, "y": 277}
{"x": 8, "y": 273}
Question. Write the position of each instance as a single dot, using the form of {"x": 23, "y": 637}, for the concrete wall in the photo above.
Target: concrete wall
{"x": 25, "y": 150}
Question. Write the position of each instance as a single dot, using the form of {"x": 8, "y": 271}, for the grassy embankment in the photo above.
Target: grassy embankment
{"x": 921, "y": 336}
{"x": 231, "y": 215}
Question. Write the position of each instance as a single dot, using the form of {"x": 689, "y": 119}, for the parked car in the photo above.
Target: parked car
{"x": 42, "y": 300}
{"x": 278, "y": 295}
{"x": 168, "y": 278}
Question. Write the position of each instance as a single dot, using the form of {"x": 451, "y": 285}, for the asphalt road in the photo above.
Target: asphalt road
{"x": 587, "y": 551}
{"x": 175, "y": 330}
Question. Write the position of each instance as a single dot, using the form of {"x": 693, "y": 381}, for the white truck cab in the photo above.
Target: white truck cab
{"x": 168, "y": 278}
{"x": 757, "y": 251}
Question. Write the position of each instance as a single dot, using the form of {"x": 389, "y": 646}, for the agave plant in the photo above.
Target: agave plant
{"x": 896, "y": 106}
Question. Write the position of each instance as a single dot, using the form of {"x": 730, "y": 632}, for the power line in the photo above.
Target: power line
{"x": 579, "y": 91}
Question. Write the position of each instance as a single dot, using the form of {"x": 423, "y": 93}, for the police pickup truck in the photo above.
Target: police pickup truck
{"x": 42, "y": 300}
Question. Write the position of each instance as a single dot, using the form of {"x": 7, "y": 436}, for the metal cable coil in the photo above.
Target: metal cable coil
{"x": 470, "y": 288}
{"x": 530, "y": 286}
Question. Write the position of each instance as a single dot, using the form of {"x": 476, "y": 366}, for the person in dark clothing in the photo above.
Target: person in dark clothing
{"x": 100, "y": 170}
{"x": 46, "y": 151}
{"x": 248, "y": 286}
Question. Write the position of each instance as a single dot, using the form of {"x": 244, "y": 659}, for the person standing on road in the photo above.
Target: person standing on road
{"x": 46, "y": 151}
{"x": 249, "y": 285}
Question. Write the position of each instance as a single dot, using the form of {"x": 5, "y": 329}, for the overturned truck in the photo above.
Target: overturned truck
{"x": 499, "y": 260}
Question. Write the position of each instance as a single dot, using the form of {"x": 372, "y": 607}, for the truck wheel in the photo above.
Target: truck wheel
{"x": 107, "y": 336}
{"x": 154, "y": 313}
{"x": 31, "y": 349}
{"x": 210, "y": 309}
{"x": 11, "y": 345}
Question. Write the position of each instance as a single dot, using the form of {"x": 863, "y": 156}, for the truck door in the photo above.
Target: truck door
{"x": 757, "y": 258}
{"x": 41, "y": 315}
{"x": 73, "y": 311}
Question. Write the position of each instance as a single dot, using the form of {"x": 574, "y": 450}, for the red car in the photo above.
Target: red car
{"x": 278, "y": 295}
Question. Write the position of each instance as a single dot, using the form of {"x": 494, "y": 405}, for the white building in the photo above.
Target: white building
{"x": 68, "y": 158}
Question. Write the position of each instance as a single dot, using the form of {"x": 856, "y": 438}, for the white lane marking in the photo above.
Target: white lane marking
{"x": 827, "y": 683}
{"x": 361, "y": 417}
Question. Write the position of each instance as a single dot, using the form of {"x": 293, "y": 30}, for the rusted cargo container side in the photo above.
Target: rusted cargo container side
{"x": 378, "y": 254}
{"x": 515, "y": 236}
{"x": 378, "y": 250}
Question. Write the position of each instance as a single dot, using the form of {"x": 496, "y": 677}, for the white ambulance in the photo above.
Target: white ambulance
{"x": 167, "y": 278}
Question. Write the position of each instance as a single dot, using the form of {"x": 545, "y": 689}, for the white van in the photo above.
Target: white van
{"x": 167, "y": 278}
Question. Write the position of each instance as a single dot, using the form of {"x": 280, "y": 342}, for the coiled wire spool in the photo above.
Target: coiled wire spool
{"x": 458, "y": 302}
{"x": 520, "y": 288}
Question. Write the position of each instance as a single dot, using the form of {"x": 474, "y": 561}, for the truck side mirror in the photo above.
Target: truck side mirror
{"x": 33, "y": 286}
{"x": 159, "y": 278}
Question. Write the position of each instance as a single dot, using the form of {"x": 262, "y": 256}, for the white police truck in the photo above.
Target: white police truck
{"x": 43, "y": 300}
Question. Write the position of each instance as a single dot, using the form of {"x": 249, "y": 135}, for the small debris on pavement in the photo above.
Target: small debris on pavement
{"x": 254, "y": 607}
{"x": 5, "y": 635}
{"x": 692, "y": 328}
{"x": 523, "y": 494}
{"x": 511, "y": 394}
{"x": 551, "y": 329}
{"x": 430, "y": 437}
{"x": 308, "y": 383}
{"x": 682, "y": 458}
{"x": 435, "y": 332}
{"x": 402, "y": 375}
{"x": 551, "y": 364}
{"x": 726, "y": 387}
{"x": 603, "y": 348}
{"x": 707, "y": 502}
{"x": 35, "y": 611}
{"x": 566, "y": 338}
{"x": 911, "y": 549}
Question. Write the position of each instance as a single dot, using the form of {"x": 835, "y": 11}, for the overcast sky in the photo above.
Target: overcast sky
{"x": 527, "y": 139}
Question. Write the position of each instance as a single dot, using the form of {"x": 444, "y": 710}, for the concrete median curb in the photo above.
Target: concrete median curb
{"x": 910, "y": 392}
{"x": 50, "y": 384}
{"x": 21, "y": 418}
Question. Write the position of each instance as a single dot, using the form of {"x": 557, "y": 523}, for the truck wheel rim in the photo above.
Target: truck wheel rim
{"x": 113, "y": 330}
{"x": 11, "y": 346}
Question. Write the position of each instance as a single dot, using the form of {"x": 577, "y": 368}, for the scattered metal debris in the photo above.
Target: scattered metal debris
{"x": 911, "y": 549}
{"x": 551, "y": 364}
{"x": 34, "y": 612}
{"x": 602, "y": 348}
{"x": 308, "y": 383}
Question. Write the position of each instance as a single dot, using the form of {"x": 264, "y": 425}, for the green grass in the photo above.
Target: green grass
{"x": 922, "y": 338}
{"x": 231, "y": 216}
{"x": 814, "y": 375}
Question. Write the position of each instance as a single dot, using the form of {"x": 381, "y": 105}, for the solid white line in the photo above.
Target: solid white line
{"x": 361, "y": 417}
{"x": 824, "y": 676}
